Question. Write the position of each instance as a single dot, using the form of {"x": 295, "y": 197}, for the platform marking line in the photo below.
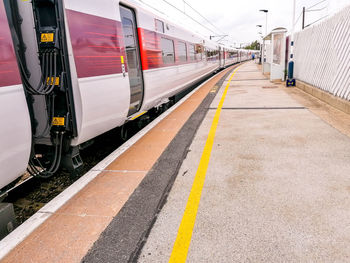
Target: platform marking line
{"x": 184, "y": 234}
{"x": 26, "y": 228}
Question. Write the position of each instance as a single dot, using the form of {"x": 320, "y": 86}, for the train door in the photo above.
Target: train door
{"x": 224, "y": 56}
{"x": 132, "y": 58}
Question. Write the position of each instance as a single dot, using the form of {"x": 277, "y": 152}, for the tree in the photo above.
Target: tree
{"x": 255, "y": 45}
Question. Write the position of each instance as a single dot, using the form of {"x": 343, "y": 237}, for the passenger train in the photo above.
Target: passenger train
{"x": 72, "y": 70}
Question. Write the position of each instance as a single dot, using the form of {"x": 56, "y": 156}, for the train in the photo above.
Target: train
{"x": 73, "y": 70}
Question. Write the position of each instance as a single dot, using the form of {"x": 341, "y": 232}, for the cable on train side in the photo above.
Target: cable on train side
{"x": 44, "y": 172}
{"x": 45, "y": 87}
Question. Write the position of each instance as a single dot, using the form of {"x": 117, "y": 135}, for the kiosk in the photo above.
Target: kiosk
{"x": 276, "y": 54}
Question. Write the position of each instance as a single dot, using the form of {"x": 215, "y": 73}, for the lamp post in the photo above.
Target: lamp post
{"x": 260, "y": 26}
{"x": 263, "y": 49}
{"x": 265, "y": 11}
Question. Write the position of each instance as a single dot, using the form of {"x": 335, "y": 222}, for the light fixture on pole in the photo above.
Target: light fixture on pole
{"x": 261, "y": 35}
{"x": 261, "y": 44}
{"x": 221, "y": 37}
{"x": 263, "y": 52}
{"x": 265, "y": 11}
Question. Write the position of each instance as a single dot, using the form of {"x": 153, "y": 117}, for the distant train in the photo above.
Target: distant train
{"x": 72, "y": 70}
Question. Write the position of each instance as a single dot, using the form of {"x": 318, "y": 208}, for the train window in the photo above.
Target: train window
{"x": 212, "y": 54}
{"x": 181, "y": 51}
{"x": 233, "y": 54}
{"x": 168, "y": 53}
{"x": 159, "y": 25}
{"x": 191, "y": 52}
{"x": 128, "y": 33}
{"x": 208, "y": 53}
{"x": 199, "y": 50}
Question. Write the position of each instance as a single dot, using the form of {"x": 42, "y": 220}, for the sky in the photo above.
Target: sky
{"x": 238, "y": 18}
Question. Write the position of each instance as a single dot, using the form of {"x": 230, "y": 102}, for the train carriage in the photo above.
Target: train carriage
{"x": 95, "y": 67}
{"x": 15, "y": 128}
{"x": 90, "y": 66}
{"x": 135, "y": 58}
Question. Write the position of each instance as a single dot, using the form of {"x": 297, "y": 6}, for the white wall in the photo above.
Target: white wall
{"x": 322, "y": 55}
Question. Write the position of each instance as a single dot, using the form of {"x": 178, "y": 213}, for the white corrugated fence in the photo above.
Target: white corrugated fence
{"x": 322, "y": 55}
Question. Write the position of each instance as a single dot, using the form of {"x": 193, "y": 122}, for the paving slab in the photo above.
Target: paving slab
{"x": 277, "y": 188}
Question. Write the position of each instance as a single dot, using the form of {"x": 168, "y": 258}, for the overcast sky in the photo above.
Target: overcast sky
{"x": 238, "y": 18}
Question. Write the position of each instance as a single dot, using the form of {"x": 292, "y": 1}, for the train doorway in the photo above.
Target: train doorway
{"x": 133, "y": 60}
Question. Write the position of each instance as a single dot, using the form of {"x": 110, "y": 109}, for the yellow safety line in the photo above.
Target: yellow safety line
{"x": 139, "y": 115}
{"x": 184, "y": 234}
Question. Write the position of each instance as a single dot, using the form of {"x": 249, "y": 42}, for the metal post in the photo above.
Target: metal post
{"x": 264, "y": 48}
{"x": 292, "y": 34}
{"x": 263, "y": 53}
{"x": 260, "y": 52}
{"x": 303, "y": 23}
{"x": 290, "y": 79}
{"x": 265, "y": 11}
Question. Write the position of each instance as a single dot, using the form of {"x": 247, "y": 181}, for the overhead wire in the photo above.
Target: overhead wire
{"x": 193, "y": 19}
{"x": 309, "y": 9}
{"x": 162, "y": 13}
{"x": 316, "y": 21}
{"x": 176, "y": 8}
{"x": 296, "y": 21}
{"x": 312, "y": 10}
{"x": 204, "y": 17}
{"x": 316, "y": 4}
{"x": 153, "y": 7}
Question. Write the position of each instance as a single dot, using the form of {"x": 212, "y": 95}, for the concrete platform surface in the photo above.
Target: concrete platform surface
{"x": 277, "y": 188}
{"x": 122, "y": 200}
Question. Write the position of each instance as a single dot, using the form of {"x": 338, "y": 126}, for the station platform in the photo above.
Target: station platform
{"x": 244, "y": 170}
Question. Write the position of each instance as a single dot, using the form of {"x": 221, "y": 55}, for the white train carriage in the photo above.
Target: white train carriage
{"x": 15, "y": 128}
{"x": 139, "y": 60}
{"x": 92, "y": 66}
{"x": 88, "y": 67}
{"x": 232, "y": 56}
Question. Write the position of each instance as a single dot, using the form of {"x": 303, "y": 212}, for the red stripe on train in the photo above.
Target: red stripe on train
{"x": 8, "y": 64}
{"x": 89, "y": 50}
{"x": 94, "y": 55}
{"x": 143, "y": 54}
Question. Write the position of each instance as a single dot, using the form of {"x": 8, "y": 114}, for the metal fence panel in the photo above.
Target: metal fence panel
{"x": 322, "y": 55}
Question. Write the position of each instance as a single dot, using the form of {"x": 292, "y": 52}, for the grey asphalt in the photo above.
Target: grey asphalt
{"x": 124, "y": 237}
{"x": 277, "y": 187}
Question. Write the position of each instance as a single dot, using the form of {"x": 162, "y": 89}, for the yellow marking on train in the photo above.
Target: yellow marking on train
{"x": 184, "y": 234}
{"x": 46, "y": 37}
{"x": 122, "y": 59}
{"x": 49, "y": 81}
{"x": 139, "y": 115}
{"x": 58, "y": 121}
